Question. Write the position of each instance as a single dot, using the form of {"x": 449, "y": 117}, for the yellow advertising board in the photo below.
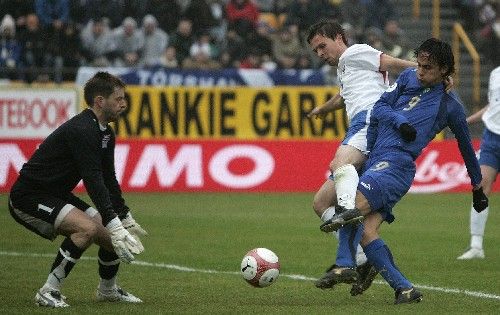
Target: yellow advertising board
{"x": 247, "y": 113}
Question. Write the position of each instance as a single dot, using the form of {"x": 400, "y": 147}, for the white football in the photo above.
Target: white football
{"x": 260, "y": 267}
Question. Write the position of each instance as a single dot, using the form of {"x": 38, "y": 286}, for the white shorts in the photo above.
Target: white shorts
{"x": 356, "y": 135}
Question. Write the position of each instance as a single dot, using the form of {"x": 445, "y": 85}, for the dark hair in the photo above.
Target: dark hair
{"x": 439, "y": 52}
{"x": 101, "y": 84}
{"x": 327, "y": 28}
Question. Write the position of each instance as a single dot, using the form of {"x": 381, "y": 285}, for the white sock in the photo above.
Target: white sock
{"x": 477, "y": 227}
{"x": 360, "y": 256}
{"x": 328, "y": 214}
{"x": 346, "y": 183}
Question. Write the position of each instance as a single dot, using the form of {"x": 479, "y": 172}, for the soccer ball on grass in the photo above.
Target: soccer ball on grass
{"x": 260, "y": 267}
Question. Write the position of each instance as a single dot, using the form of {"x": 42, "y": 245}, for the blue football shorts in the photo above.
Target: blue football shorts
{"x": 490, "y": 150}
{"x": 386, "y": 178}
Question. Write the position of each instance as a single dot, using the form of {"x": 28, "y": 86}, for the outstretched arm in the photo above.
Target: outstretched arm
{"x": 474, "y": 118}
{"x": 334, "y": 103}
{"x": 458, "y": 125}
{"x": 395, "y": 65}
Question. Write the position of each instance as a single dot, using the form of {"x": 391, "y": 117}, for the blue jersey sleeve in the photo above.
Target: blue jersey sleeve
{"x": 383, "y": 109}
{"x": 458, "y": 125}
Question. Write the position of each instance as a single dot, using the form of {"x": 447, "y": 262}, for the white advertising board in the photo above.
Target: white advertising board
{"x": 35, "y": 113}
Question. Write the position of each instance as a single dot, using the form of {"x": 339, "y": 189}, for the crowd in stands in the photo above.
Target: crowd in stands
{"x": 47, "y": 40}
{"x": 481, "y": 20}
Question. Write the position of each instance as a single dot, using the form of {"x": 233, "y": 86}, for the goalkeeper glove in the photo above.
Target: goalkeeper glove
{"x": 132, "y": 226}
{"x": 479, "y": 200}
{"x": 408, "y": 132}
{"x": 124, "y": 244}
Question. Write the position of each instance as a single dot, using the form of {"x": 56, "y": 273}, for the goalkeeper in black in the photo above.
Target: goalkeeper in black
{"x": 42, "y": 200}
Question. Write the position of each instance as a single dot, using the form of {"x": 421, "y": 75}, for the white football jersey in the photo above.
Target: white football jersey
{"x": 491, "y": 117}
{"x": 361, "y": 81}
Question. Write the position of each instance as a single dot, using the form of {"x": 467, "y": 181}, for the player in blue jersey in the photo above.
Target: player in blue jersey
{"x": 489, "y": 160}
{"x": 363, "y": 75}
{"x": 405, "y": 119}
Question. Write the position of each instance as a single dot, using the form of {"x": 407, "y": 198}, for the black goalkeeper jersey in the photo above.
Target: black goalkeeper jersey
{"x": 78, "y": 150}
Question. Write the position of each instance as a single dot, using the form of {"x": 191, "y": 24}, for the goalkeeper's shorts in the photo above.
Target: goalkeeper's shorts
{"x": 41, "y": 212}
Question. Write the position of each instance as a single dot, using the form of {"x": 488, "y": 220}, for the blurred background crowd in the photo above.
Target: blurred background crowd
{"x": 48, "y": 40}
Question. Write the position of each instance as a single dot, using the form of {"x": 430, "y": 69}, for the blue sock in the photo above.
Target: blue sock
{"x": 381, "y": 257}
{"x": 349, "y": 238}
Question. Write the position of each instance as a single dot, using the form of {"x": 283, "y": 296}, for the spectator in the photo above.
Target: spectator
{"x": 252, "y": 60}
{"x": 200, "y": 13}
{"x": 304, "y": 13}
{"x": 182, "y": 39}
{"x": 379, "y": 12}
{"x": 304, "y": 62}
{"x": 261, "y": 41}
{"x": 70, "y": 51}
{"x": 135, "y": 9}
{"x": 266, "y": 6}
{"x": 350, "y": 34}
{"x": 488, "y": 34}
{"x": 35, "y": 54}
{"x": 281, "y": 6}
{"x": 225, "y": 61}
{"x": 232, "y": 49}
{"x": 288, "y": 61}
{"x": 155, "y": 42}
{"x": 18, "y": 9}
{"x": 53, "y": 14}
{"x": 129, "y": 43}
{"x": 203, "y": 44}
{"x": 169, "y": 58}
{"x": 242, "y": 15}
{"x": 468, "y": 11}
{"x": 218, "y": 31}
{"x": 10, "y": 49}
{"x": 110, "y": 9}
{"x": 267, "y": 63}
{"x": 167, "y": 13}
{"x": 354, "y": 13}
{"x": 286, "y": 46}
{"x": 394, "y": 41}
{"x": 98, "y": 44}
{"x": 77, "y": 13}
{"x": 373, "y": 37}
{"x": 200, "y": 60}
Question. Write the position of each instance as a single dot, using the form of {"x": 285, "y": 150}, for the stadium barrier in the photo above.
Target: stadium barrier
{"x": 241, "y": 165}
{"x": 211, "y": 139}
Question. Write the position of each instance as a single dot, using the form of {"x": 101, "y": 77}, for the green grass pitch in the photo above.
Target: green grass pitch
{"x": 197, "y": 240}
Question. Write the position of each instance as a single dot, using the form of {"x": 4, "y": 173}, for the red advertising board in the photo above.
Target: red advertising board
{"x": 257, "y": 166}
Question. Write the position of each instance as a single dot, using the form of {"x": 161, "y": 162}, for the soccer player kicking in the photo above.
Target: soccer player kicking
{"x": 489, "y": 160}
{"x": 363, "y": 77}
{"x": 405, "y": 119}
{"x": 41, "y": 198}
